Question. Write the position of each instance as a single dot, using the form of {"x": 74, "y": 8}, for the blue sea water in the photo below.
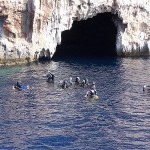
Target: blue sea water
{"x": 46, "y": 117}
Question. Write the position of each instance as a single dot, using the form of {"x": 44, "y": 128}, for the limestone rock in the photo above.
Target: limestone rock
{"x": 27, "y": 27}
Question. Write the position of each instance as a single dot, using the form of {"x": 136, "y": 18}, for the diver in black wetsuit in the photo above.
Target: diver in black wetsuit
{"x": 91, "y": 93}
{"x": 63, "y": 84}
{"x": 83, "y": 83}
{"x": 77, "y": 81}
{"x": 70, "y": 83}
{"x": 86, "y": 82}
{"x": 50, "y": 77}
{"x": 94, "y": 88}
{"x": 17, "y": 86}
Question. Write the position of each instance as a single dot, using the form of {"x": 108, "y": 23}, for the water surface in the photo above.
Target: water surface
{"x": 46, "y": 117}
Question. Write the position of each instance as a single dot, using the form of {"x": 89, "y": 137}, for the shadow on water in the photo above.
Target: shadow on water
{"x": 85, "y": 60}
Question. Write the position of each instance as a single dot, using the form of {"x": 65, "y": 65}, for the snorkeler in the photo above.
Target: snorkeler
{"x": 50, "y": 77}
{"x": 77, "y": 81}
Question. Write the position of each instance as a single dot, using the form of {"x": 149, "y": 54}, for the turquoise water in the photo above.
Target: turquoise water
{"x": 46, "y": 117}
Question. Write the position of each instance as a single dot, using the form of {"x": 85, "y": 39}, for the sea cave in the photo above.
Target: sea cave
{"x": 92, "y": 37}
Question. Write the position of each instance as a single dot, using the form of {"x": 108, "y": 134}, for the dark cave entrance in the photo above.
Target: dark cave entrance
{"x": 92, "y": 37}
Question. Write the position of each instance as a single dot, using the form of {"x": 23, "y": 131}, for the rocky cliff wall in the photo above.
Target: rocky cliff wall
{"x": 32, "y": 28}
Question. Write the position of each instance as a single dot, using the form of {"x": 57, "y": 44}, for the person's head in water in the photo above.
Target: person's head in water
{"x": 50, "y": 76}
{"x": 92, "y": 93}
{"x": 18, "y": 84}
{"x": 77, "y": 80}
{"x": 64, "y": 84}
{"x": 86, "y": 81}
{"x": 93, "y": 85}
{"x": 83, "y": 83}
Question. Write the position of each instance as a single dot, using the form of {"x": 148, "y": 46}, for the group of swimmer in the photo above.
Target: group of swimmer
{"x": 66, "y": 84}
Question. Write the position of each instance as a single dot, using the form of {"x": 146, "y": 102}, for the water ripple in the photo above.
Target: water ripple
{"x": 47, "y": 117}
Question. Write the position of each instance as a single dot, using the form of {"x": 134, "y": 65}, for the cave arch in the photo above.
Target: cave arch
{"x": 92, "y": 37}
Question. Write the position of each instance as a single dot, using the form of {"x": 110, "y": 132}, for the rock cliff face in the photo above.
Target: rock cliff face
{"x": 32, "y": 28}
